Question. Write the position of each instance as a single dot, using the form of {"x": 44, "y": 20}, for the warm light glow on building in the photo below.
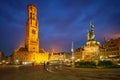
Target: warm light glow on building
{"x": 91, "y": 50}
{"x": 31, "y": 53}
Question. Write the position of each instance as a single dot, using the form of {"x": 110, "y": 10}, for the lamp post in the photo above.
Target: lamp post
{"x": 72, "y": 50}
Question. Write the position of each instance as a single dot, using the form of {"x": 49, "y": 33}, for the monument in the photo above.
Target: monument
{"x": 91, "y": 49}
{"x": 31, "y": 53}
{"x": 91, "y": 35}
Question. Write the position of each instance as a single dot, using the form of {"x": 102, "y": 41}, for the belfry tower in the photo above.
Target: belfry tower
{"x": 32, "y": 40}
{"x": 31, "y": 52}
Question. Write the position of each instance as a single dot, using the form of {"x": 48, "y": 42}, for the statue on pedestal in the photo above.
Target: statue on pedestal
{"x": 91, "y": 35}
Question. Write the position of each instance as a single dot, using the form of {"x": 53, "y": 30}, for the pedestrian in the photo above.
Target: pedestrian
{"x": 33, "y": 64}
{"x": 47, "y": 65}
{"x": 44, "y": 65}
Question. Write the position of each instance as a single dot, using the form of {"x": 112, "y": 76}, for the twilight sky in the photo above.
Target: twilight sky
{"x": 60, "y": 22}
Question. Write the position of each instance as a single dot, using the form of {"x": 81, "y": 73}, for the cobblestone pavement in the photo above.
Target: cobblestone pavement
{"x": 56, "y": 73}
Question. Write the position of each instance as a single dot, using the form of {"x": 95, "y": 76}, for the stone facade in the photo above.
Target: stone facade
{"x": 111, "y": 50}
{"x": 32, "y": 39}
{"x": 91, "y": 51}
{"x": 25, "y": 56}
{"x": 31, "y": 52}
{"x": 63, "y": 56}
{"x": 78, "y": 54}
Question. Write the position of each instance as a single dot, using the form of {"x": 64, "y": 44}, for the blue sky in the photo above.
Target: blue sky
{"x": 60, "y": 22}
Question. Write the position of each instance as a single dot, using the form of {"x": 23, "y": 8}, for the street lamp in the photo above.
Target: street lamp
{"x": 72, "y": 60}
{"x": 72, "y": 50}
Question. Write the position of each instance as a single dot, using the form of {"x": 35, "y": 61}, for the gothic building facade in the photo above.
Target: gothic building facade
{"x": 31, "y": 51}
{"x": 111, "y": 50}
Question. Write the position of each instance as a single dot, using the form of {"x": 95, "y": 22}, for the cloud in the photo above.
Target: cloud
{"x": 69, "y": 20}
{"x": 60, "y": 21}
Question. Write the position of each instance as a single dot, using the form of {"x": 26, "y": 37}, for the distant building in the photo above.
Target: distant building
{"x": 1, "y": 56}
{"x": 57, "y": 56}
{"x": 103, "y": 55}
{"x": 31, "y": 51}
{"x": 111, "y": 50}
{"x": 78, "y": 54}
{"x": 60, "y": 56}
{"x": 8, "y": 59}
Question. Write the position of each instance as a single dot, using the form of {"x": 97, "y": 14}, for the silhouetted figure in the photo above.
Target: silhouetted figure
{"x": 32, "y": 64}
{"x": 44, "y": 65}
{"x": 47, "y": 63}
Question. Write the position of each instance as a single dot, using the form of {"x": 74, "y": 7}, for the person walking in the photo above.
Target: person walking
{"x": 44, "y": 65}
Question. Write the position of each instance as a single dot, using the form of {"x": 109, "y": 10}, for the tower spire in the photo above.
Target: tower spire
{"x": 32, "y": 40}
